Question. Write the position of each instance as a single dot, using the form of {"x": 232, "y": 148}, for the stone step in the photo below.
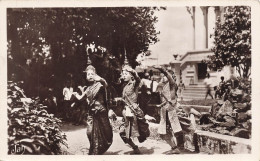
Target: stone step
{"x": 196, "y": 89}
{"x": 197, "y": 85}
{"x": 202, "y": 96}
{"x": 194, "y": 92}
{"x": 194, "y": 97}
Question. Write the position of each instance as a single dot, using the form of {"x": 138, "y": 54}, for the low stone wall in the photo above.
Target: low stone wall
{"x": 213, "y": 143}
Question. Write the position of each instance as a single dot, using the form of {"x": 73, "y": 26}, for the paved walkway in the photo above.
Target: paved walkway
{"x": 78, "y": 143}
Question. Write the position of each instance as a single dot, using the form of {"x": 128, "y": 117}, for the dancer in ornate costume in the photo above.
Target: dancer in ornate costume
{"x": 169, "y": 123}
{"x": 134, "y": 120}
{"x": 99, "y": 130}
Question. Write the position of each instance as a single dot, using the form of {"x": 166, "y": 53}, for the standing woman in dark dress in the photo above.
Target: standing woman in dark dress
{"x": 99, "y": 130}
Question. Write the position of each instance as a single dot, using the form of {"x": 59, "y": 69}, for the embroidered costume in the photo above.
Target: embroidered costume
{"x": 134, "y": 122}
{"x": 99, "y": 130}
{"x": 169, "y": 122}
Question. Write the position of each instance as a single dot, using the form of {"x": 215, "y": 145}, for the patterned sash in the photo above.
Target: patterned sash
{"x": 166, "y": 92}
{"x": 92, "y": 91}
{"x": 129, "y": 91}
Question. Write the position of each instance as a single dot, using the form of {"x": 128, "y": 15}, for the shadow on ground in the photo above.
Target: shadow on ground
{"x": 182, "y": 152}
{"x": 68, "y": 127}
{"x": 143, "y": 151}
{"x": 113, "y": 153}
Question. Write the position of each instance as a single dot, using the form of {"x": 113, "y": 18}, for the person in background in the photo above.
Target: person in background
{"x": 222, "y": 86}
{"x": 144, "y": 95}
{"x": 208, "y": 83}
{"x": 51, "y": 102}
{"x": 181, "y": 89}
{"x": 220, "y": 89}
{"x": 67, "y": 93}
{"x": 217, "y": 92}
{"x": 176, "y": 85}
{"x": 147, "y": 82}
{"x": 150, "y": 74}
{"x": 169, "y": 122}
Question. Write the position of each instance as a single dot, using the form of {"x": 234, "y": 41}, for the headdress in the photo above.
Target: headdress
{"x": 90, "y": 67}
{"x": 128, "y": 69}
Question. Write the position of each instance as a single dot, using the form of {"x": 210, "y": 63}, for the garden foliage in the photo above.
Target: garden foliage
{"x": 232, "y": 41}
{"x": 30, "y": 126}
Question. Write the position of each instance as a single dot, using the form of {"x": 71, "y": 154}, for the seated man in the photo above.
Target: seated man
{"x": 218, "y": 93}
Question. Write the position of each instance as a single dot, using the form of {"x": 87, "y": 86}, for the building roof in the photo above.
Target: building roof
{"x": 206, "y": 51}
{"x": 193, "y": 56}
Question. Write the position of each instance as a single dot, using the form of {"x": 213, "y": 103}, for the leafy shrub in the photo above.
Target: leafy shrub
{"x": 30, "y": 126}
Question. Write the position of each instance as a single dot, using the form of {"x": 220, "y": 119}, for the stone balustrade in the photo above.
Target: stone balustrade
{"x": 213, "y": 143}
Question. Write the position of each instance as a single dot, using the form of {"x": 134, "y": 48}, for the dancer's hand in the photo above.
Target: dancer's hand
{"x": 81, "y": 88}
{"x": 97, "y": 78}
{"x": 149, "y": 118}
{"x": 132, "y": 71}
{"x": 118, "y": 99}
{"x": 112, "y": 115}
{"x": 158, "y": 67}
{"x": 158, "y": 106}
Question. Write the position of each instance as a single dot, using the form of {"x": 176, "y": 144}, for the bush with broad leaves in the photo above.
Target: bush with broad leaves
{"x": 232, "y": 41}
{"x": 30, "y": 125}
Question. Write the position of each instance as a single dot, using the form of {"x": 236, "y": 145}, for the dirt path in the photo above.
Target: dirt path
{"x": 78, "y": 143}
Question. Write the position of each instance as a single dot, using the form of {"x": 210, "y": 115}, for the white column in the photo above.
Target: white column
{"x": 194, "y": 26}
{"x": 211, "y": 26}
{"x": 222, "y": 10}
{"x": 206, "y": 23}
{"x": 177, "y": 72}
{"x": 200, "y": 29}
{"x": 195, "y": 67}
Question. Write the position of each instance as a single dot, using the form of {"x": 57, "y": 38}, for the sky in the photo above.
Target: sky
{"x": 175, "y": 25}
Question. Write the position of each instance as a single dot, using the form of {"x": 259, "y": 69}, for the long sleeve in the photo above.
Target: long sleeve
{"x": 101, "y": 97}
{"x": 80, "y": 97}
{"x": 103, "y": 82}
{"x": 137, "y": 80}
{"x": 169, "y": 77}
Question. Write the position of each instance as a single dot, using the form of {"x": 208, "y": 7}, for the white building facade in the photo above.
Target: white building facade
{"x": 189, "y": 68}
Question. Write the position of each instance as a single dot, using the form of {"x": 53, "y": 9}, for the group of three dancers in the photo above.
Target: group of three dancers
{"x": 99, "y": 130}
